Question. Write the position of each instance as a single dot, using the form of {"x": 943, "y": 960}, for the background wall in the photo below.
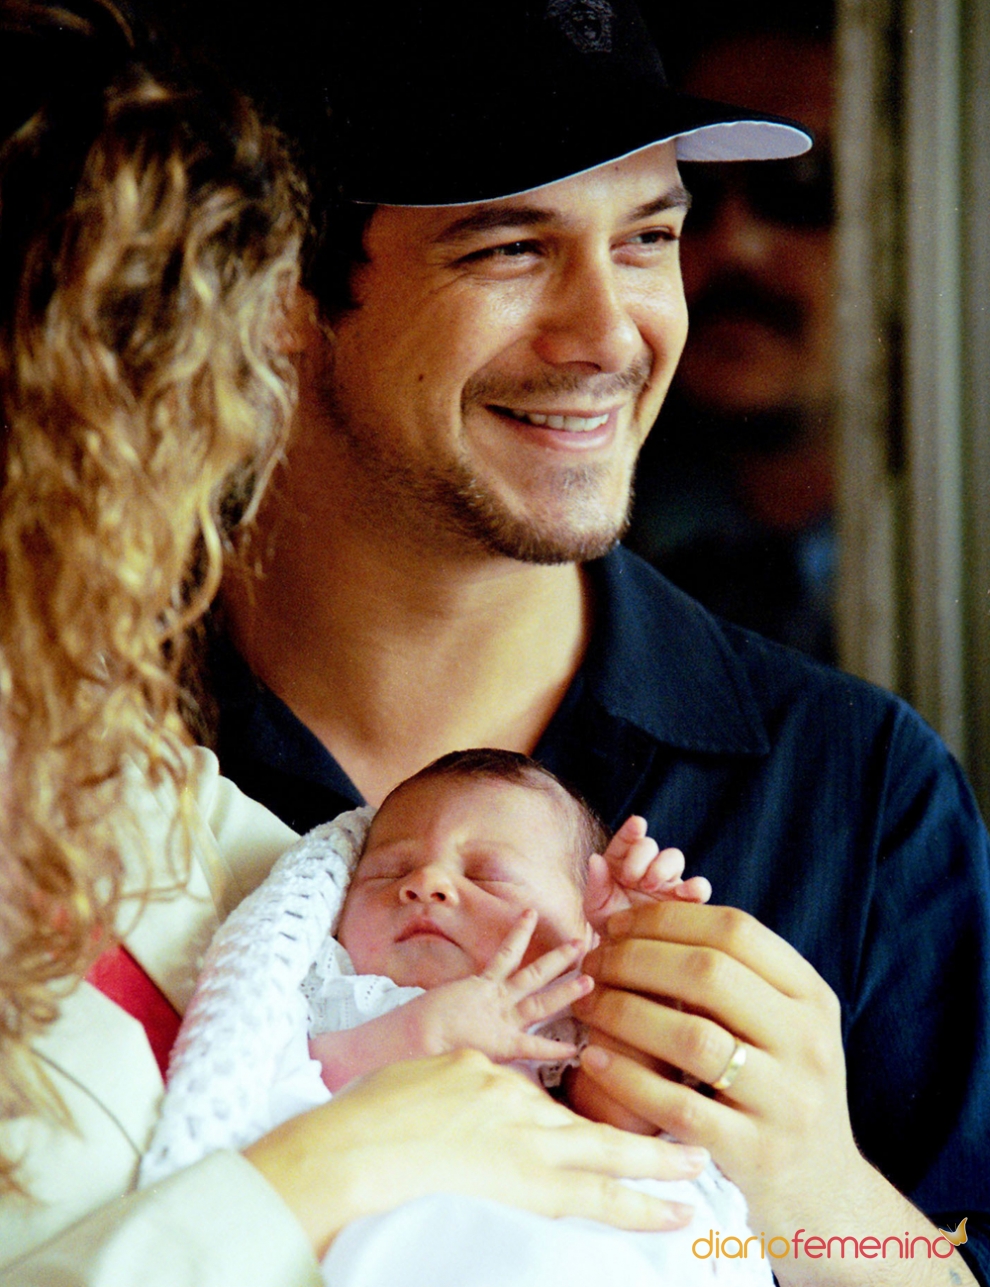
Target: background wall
{"x": 913, "y": 359}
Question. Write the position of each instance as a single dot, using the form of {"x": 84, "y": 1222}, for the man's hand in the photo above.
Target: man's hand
{"x": 781, "y": 1128}
{"x": 492, "y": 1011}
{"x": 634, "y": 871}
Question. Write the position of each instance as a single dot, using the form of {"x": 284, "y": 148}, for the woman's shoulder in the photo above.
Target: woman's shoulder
{"x": 245, "y": 837}
{"x": 181, "y": 883}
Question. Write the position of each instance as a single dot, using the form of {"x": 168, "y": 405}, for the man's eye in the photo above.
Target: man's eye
{"x": 508, "y": 250}
{"x": 654, "y": 237}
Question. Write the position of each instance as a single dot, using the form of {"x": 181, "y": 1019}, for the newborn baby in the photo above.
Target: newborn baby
{"x": 470, "y": 900}
{"x": 484, "y": 881}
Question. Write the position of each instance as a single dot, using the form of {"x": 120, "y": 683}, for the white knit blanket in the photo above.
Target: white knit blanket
{"x": 249, "y": 1002}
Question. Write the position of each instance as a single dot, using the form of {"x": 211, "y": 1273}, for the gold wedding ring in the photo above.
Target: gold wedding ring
{"x": 731, "y": 1070}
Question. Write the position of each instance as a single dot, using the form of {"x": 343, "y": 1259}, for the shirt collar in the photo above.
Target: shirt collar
{"x": 662, "y": 663}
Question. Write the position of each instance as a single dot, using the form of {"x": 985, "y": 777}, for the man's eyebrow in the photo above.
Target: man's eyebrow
{"x": 491, "y": 219}
{"x": 675, "y": 198}
{"x": 526, "y": 216}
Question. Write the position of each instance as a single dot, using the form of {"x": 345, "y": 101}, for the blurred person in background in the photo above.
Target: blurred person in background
{"x": 735, "y": 485}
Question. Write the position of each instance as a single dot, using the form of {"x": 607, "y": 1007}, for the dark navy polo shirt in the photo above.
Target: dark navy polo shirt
{"x": 822, "y": 805}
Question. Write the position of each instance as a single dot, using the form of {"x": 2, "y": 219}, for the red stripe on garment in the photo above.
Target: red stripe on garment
{"x": 118, "y": 976}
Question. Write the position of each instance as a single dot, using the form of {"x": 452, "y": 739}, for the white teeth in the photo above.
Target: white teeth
{"x": 574, "y": 424}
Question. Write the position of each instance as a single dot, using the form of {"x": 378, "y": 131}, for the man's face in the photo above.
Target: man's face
{"x": 506, "y": 360}
{"x": 449, "y": 866}
{"x": 757, "y": 251}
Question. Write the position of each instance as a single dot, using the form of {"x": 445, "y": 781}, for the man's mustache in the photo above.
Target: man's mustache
{"x": 739, "y": 296}
{"x": 495, "y": 390}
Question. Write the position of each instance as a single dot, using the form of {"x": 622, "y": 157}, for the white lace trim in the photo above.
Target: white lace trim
{"x": 340, "y": 999}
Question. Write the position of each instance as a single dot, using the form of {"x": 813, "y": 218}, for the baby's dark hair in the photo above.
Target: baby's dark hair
{"x": 483, "y": 762}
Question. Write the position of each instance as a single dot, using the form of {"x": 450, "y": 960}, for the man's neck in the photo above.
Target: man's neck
{"x": 392, "y": 653}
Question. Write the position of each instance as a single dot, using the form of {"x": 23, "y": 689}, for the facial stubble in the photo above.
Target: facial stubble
{"x": 451, "y": 501}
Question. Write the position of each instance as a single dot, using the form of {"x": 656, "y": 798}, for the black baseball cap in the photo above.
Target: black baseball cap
{"x": 451, "y": 102}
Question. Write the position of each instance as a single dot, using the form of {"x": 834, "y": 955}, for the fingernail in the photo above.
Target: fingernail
{"x": 681, "y": 1213}
{"x": 586, "y": 982}
{"x": 695, "y": 1158}
{"x": 595, "y": 1057}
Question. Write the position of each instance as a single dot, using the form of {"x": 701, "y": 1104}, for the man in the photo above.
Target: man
{"x": 476, "y": 377}
{"x": 735, "y": 488}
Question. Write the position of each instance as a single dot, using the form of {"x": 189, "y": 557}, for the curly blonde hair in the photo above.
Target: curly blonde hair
{"x": 149, "y": 237}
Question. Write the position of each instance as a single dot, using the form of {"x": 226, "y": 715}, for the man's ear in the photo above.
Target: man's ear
{"x": 301, "y": 325}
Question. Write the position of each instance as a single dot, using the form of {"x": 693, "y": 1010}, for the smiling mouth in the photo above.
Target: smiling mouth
{"x": 553, "y": 420}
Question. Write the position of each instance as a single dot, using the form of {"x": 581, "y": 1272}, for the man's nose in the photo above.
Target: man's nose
{"x": 429, "y": 884}
{"x": 587, "y": 320}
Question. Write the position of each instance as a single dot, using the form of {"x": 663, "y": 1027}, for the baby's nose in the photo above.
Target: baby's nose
{"x": 428, "y": 885}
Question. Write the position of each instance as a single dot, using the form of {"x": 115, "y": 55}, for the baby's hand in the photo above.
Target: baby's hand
{"x": 491, "y": 1011}
{"x": 634, "y": 870}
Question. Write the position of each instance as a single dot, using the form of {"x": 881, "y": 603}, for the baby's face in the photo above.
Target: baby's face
{"x": 449, "y": 866}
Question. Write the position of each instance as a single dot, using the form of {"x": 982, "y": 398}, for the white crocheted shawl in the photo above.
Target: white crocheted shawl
{"x": 250, "y": 999}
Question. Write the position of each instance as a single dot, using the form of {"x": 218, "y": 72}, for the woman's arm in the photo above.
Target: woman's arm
{"x": 458, "y": 1123}
{"x": 215, "y": 1224}
{"x": 454, "y": 1124}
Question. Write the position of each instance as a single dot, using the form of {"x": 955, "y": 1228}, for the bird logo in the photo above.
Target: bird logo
{"x": 958, "y": 1235}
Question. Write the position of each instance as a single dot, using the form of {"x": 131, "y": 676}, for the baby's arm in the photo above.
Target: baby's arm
{"x": 490, "y": 1012}
{"x": 634, "y": 870}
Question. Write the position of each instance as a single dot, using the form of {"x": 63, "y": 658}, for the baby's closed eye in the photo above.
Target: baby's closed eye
{"x": 490, "y": 873}
{"x": 380, "y": 869}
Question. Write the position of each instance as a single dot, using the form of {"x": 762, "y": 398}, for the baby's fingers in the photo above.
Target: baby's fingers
{"x": 510, "y": 952}
{"x": 661, "y": 873}
{"x": 545, "y": 968}
{"x": 630, "y": 867}
{"x": 696, "y": 890}
{"x": 633, "y": 829}
{"x": 545, "y": 1049}
{"x": 533, "y": 1009}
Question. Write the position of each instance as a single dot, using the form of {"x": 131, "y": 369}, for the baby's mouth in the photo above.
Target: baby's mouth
{"x": 423, "y": 927}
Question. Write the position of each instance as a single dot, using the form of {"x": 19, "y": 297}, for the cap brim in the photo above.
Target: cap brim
{"x": 747, "y": 136}
{"x": 397, "y": 169}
